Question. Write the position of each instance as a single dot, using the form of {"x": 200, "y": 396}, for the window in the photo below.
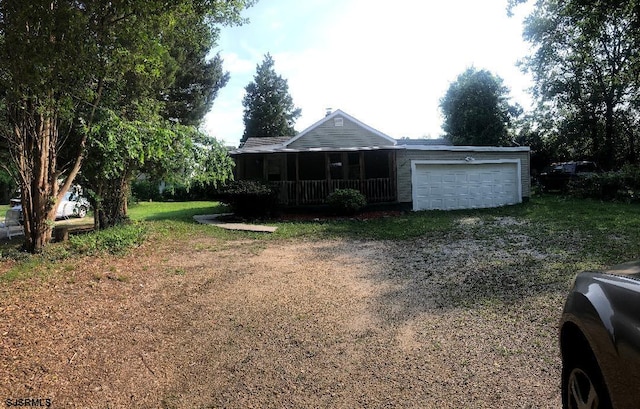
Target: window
{"x": 338, "y": 122}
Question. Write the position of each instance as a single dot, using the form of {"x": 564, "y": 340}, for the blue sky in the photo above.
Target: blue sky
{"x": 385, "y": 63}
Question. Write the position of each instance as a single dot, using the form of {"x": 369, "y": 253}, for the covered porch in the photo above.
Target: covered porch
{"x": 307, "y": 178}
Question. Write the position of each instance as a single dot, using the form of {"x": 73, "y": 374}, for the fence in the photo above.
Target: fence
{"x": 307, "y": 192}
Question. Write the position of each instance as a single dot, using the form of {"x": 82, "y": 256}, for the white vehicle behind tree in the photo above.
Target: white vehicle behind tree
{"x": 73, "y": 204}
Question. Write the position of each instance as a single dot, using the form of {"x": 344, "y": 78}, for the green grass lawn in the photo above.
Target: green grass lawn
{"x": 176, "y": 211}
{"x": 606, "y": 232}
{"x": 598, "y": 233}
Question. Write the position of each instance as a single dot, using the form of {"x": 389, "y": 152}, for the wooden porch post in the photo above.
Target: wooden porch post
{"x": 345, "y": 165}
{"x": 239, "y": 168}
{"x": 297, "y": 179}
{"x": 265, "y": 168}
{"x": 393, "y": 174}
{"x": 327, "y": 167}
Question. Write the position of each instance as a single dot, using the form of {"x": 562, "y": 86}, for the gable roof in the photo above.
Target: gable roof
{"x": 255, "y": 141}
{"x": 330, "y": 117}
{"x": 425, "y": 142}
{"x": 319, "y": 129}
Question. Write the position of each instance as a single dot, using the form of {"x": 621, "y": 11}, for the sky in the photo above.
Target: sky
{"x": 386, "y": 63}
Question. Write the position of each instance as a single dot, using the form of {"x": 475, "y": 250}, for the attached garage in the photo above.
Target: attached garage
{"x": 450, "y": 185}
{"x": 462, "y": 177}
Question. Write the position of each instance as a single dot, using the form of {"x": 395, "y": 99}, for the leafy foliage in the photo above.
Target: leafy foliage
{"x": 249, "y": 198}
{"x": 62, "y": 61}
{"x": 145, "y": 190}
{"x": 268, "y": 107}
{"x": 196, "y": 77}
{"x": 166, "y": 151}
{"x": 346, "y": 201}
{"x": 622, "y": 185}
{"x": 585, "y": 64}
{"x": 116, "y": 240}
{"x": 477, "y": 111}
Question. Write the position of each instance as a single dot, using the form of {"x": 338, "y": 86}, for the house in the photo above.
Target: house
{"x": 340, "y": 152}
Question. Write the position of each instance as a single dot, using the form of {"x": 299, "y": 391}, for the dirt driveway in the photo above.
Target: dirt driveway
{"x": 203, "y": 323}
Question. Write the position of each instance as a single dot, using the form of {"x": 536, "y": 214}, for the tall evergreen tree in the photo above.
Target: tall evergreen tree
{"x": 268, "y": 107}
{"x": 476, "y": 110}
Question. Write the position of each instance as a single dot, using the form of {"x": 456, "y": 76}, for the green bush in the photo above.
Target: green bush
{"x": 145, "y": 190}
{"x": 346, "y": 201}
{"x": 249, "y": 198}
{"x": 115, "y": 240}
{"x": 622, "y": 185}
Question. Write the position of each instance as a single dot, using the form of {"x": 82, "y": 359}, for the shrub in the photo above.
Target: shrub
{"x": 145, "y": 190}
{"x": 346, "y": 201}
{"x": 114, "y": 240}
{"x": 622, "y": 185}
{"x": 249, "y": 198}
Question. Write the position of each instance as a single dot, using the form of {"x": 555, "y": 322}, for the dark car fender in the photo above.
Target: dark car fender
{"x": 589, "y": 311}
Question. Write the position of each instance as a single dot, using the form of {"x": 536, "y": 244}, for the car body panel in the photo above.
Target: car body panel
{"x": 605, "y": 307}
{"x": 70, "y": 205}
{"x": 559, "y": 175}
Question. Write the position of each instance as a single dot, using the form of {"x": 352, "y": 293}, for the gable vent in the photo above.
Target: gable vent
{"x": 338, "y": 121}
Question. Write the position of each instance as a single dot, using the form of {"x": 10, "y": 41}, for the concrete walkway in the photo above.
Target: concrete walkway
{"x": 213, "y": 219}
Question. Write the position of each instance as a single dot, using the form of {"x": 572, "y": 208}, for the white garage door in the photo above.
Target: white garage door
{"x": 465, "y": 185}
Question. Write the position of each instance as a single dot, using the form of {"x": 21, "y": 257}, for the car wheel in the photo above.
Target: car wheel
{"x": 584, "y": 388}
{"x": 81, "y": 212}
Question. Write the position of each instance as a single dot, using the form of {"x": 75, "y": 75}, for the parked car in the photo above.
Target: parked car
{"x": 600, "y": 339}
{"x": 73, "y": 204}
{"x": 558, "y": 175}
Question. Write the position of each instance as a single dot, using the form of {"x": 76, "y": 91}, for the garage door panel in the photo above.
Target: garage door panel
{"x": 464, "y": 186}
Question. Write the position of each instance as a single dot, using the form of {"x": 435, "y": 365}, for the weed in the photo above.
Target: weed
{"x": 123, "y": 278}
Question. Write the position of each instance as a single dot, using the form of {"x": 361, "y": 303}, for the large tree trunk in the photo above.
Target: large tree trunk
{"x": 609, "y": 137}
{"x": 34, "y": 145}
{"x": 111, "y": 205}
{"x": 36, "y": 135}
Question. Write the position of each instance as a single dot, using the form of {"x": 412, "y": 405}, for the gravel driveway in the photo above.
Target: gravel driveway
{"x": 458, "y": 321}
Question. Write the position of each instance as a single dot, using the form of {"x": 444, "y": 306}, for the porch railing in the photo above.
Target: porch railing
{"x": 306, "y": 192}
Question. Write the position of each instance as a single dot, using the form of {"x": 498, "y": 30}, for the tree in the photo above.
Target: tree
{"x": 268, "y": 107}
{"x": 60, "y": 61}
{"x": 197, "y": 78}
{"x": 122, "y": 148}
{"x": 476, "y": 110}
{"x": 586, "y": 69}
{"x": 150, "y": 127}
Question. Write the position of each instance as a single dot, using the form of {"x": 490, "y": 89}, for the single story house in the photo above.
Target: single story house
{"x": 340, "y": 152}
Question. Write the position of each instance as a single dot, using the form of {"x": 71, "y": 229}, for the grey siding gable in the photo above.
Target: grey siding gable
{"x": 349, "y": 135}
